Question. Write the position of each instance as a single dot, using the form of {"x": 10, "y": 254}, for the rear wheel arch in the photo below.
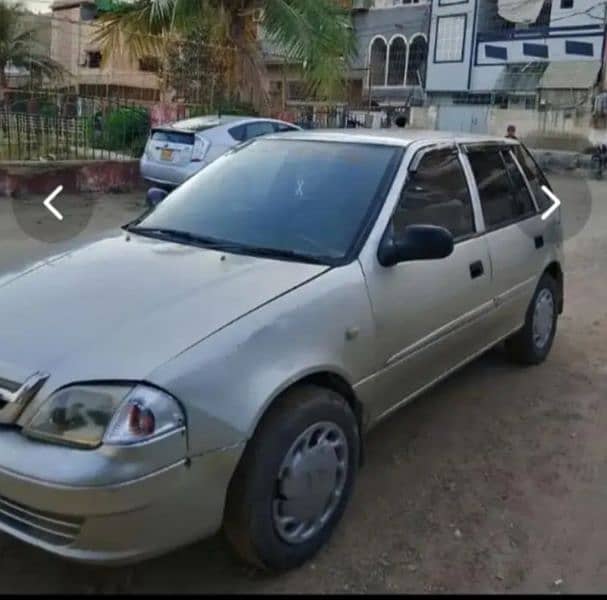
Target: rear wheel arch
{"x": 555, "y": 271}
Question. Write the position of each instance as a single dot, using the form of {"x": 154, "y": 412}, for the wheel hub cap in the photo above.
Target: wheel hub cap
{"x": 543, "y": 317}
{"x": 310, "y": 482}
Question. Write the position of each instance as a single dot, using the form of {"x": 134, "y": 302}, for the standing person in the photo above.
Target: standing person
{"x": 511, "y": 132}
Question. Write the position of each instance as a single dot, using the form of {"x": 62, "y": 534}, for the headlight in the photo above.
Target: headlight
{"x": 87, "y": 415}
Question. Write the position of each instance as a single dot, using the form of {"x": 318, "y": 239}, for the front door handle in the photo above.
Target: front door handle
{"x": 476, "y": 269}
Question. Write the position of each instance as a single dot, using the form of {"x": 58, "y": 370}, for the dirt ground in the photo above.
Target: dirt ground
{"x": 496, "y": 480}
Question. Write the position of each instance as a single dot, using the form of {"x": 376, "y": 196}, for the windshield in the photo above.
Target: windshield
{"x": 306, "y": 198}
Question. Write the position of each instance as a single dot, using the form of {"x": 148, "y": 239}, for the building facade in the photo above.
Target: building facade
{"x": 480, "y": 47}
{"x": 392, "y": 41}
{"x": 73, "y": 28}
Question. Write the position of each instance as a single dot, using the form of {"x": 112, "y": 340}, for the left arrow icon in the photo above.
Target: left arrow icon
{"x": 48, "y": 203}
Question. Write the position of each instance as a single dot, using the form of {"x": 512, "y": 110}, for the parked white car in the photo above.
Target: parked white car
{"x": 176, "y": 151}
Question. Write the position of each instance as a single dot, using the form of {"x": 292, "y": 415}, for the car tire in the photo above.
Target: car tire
{"x": 531, "y": 344}
{"x": 304, "y": 451}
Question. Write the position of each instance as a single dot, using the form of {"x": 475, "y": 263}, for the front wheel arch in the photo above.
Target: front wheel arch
{"x": 331, "y": 381}
{"x": 246, "y": 518}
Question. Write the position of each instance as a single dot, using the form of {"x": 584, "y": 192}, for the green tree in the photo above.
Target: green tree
{"x": 315, "y": 34}
{"x": 196, "y": 72}
{"x": 19, "y": 48}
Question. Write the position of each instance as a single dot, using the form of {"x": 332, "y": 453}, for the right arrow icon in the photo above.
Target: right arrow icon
{"x": 556, "y": 202}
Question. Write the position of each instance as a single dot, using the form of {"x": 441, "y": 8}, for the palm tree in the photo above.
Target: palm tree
{"x": 19, "y": 48}
{"x": 315, "y": 34}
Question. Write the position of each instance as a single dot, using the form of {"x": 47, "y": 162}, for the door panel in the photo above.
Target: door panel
{"x": 516, "y": 267}
{"x": 428, "y": 314}
{"x": 515, "y": 233}
{"x": 429, "y": 318}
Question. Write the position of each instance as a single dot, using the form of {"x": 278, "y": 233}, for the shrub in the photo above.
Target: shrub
{"x": 123, "y": 129}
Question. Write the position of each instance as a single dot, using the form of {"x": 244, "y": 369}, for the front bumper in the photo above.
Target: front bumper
{"x": 121, "y": 522}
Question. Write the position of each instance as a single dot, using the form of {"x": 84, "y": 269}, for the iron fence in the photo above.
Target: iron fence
{"x": 34, "y": 137}
{"x": 63, "y": 126}
{"x": 345, "y": 116}
{"x": 76, "y": 127}
{"x": 106, "y": 104}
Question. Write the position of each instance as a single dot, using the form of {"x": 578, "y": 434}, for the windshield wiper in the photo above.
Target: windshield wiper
{"x": 175, "y": 235}
{"x": 284, "y": 254}
{"x": 186, "y": 237}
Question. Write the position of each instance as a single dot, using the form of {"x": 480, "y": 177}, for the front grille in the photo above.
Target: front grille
{"x": 53, "y": 529}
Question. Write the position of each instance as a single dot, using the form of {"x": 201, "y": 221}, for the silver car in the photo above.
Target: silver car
{"x": 220, "y": 360}
{"x": 175, "y": 152}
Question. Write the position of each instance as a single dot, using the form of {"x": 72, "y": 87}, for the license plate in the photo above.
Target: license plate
{"x": 166, "y": 154}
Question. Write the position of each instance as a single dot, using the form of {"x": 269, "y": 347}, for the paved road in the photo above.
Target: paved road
{"x": 19, "y": 249}
{"x": 493, "y": 481}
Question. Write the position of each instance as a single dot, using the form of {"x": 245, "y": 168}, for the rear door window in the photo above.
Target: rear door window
{"x": 498, "y": 195}
{"x": 521, "y": 191}
{"x": 238, "y": 133}
{"x": 258, "y": 128}
{"x": 281, "y": 127}
{"x": 534, "y": 175}
{"x": 247, "y": 131}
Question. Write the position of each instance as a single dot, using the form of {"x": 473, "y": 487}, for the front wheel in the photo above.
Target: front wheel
{"x": 294, "y": 479}
{"x": 531, "y": 345}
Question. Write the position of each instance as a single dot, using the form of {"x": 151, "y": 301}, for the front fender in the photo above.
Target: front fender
{"x": 227, "y": 381}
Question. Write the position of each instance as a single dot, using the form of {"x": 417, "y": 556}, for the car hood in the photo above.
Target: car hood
{"x": 120, "y": 307}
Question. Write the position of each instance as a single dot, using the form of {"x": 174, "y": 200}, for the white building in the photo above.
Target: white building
{"x": 474, "y": 48}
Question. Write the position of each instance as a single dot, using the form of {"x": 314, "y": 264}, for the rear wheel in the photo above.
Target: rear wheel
{"x": 294, "y": 480}
{"x": 531, "y": 345}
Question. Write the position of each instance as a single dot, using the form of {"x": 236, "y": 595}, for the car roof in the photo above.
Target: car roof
{"x": 209, "y": 121}
{"x": 206, "y": 122}
{"x": 388, "y": 137}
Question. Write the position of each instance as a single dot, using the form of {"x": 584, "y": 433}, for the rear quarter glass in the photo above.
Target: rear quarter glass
{"x": 237, "y": 133}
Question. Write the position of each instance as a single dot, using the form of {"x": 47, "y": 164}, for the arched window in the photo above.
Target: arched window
{"x": 377, "y": 61}
{"x": 397, "y": 61}
{"x": 418, "y": 56}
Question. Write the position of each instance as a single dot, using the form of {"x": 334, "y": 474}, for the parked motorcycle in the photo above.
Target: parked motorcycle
{"x": 599, "y": 160}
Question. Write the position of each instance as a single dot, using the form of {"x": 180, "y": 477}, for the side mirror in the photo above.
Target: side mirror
{"x": 416, "y": 242}
{"x": 155, "y": 196}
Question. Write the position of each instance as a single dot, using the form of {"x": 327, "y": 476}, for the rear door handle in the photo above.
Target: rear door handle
{"x": 476, "y": 269}
{"x": 539, "y": 241}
